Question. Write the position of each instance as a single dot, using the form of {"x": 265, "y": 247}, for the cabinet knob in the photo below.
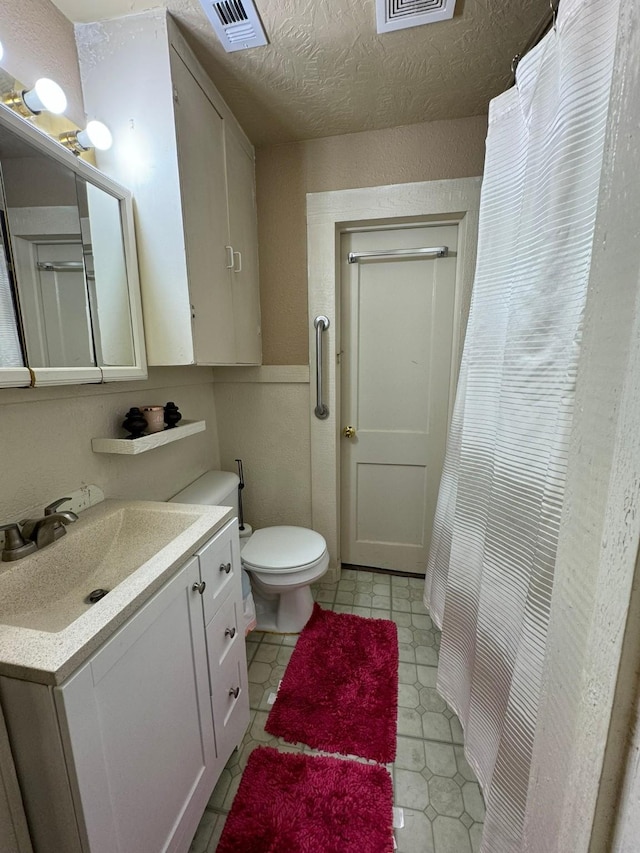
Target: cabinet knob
{"x": 225, "y": 567}
{"x": 199, "y": 587}
{"x": 230, "y": 632}
{"x": 234, "y": 691}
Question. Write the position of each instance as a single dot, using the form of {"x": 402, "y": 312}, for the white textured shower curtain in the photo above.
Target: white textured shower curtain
{"x": 490, "y": 571}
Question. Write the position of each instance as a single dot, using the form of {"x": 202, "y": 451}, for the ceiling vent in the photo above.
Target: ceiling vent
{"x": 236, "y": 23}
{"x": 402, "y": 14}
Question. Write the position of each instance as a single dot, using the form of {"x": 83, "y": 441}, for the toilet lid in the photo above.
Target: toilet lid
{"x": 283, "y": 548}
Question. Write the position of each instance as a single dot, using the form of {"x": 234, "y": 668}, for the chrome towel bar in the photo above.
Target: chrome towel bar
{"x": 321, "y": 324}
{"x": 433, "y": 252}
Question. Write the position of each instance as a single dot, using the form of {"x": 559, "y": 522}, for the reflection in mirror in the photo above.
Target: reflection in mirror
{"x": 10, "y": 348}
{"x": 106, "y": 271}
{"x": 65, "y": 238}
{"x": 44, "y": 226}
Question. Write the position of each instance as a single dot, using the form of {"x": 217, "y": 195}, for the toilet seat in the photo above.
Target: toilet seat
{"x": 284, "y": 549}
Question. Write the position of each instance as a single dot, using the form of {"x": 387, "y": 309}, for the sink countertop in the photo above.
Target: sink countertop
{"x": 50, "y": 657}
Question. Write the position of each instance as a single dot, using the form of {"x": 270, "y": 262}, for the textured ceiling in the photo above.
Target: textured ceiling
{"x": 327, "y": 72}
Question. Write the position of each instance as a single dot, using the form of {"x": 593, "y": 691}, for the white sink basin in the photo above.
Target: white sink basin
{"x": 48, "y": 590}
{"x": 47, "y": 626}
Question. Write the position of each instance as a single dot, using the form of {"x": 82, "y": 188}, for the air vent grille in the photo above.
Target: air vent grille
{"x": 236, "y": 23}
{"x": 402, "y": 14}
{"x": 230, "y": 12}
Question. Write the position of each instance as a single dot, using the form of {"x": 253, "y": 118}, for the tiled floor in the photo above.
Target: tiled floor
{"x": 442, "y": 803}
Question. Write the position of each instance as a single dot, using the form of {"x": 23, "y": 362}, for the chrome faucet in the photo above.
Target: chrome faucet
{"x": 15, "y": 546}
{"x": 43, "y": 531}
{"x": 36, "y": 532}
{"x": 46, "y": 530}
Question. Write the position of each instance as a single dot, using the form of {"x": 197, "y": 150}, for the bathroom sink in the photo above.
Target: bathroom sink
{"x": 49, "y": 590}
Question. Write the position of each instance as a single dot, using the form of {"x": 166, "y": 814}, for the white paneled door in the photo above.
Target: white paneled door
{"x": 396, "y": 360}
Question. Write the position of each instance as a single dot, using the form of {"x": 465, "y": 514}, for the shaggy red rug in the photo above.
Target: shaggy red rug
{"x": 292, "y": 803}
{"x": 340, "y": 690}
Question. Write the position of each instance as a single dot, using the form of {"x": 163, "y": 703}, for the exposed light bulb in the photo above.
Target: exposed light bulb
{"x": 45, "y": 95}
{"x": 95, "y": 135}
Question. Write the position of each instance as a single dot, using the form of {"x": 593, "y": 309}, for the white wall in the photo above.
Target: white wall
{"x": 263, "y": 418}
{"x": 39, "y": 42}
{"x": 45, "y": 436}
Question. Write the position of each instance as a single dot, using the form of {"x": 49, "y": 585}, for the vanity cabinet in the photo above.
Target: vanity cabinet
{"x": 191, "y": 169}
{"x": 135, "y": 740}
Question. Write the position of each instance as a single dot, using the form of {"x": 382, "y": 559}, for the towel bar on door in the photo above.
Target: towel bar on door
{"x": 382, "y": 254}
{"x": 321, "y": 324}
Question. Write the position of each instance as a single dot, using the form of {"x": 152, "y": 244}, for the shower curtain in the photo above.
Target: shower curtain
{"x": 490, "y": 571}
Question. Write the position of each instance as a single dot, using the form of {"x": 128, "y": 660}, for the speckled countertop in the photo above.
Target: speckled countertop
{"x": 47, "y": 589}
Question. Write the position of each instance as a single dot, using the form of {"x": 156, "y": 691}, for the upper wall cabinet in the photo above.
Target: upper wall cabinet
{"x": 191, "y": 170}
{"x": 69, "y": 293}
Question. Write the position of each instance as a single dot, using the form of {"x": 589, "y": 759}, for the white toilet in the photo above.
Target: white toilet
{"x": 282, "y": 561}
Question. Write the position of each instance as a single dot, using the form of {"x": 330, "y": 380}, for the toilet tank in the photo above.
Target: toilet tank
{"x": 215, "y": 488}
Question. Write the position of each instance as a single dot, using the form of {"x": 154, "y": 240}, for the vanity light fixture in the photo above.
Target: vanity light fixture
{"x": 1, "y": 51}
{"x": 45, "y": 95}
{"x": 95, "y": 135}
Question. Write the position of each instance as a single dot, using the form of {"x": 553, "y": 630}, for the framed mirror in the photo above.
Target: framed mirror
{"x": 69, "y": 292}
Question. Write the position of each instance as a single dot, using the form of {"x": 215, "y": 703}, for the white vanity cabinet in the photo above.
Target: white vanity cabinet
{"x": 137, "y": 737}
{"x": 191, "y": 169}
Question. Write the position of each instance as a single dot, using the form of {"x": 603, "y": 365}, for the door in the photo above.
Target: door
{"x": 243, "y": 230}
{"x": 57, "y": 318}
{"x": 203, "y": 184}
{"x": 396, "y": 379}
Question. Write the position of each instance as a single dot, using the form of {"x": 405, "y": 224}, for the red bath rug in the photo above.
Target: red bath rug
{"x": 340, "y": 690}
{"x": 292, "y": 803}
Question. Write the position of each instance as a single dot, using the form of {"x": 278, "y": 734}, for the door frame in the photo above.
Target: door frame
{"x": 328, "y": 214}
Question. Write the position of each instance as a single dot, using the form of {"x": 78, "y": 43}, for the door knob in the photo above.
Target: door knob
{"x": 349, "y": 432}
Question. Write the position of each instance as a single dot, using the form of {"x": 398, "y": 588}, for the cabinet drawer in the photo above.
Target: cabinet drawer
{"x": 219, "y": 569}
{"x": 230, "y": 711}
{"x": 223, "y": 632}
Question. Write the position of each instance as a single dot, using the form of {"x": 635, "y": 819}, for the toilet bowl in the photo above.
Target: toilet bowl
{"x": 281, "y": 562}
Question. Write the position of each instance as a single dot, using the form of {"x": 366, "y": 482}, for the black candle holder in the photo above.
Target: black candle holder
{"x": 135, "y": 422}
{"x": 171, "y": 415}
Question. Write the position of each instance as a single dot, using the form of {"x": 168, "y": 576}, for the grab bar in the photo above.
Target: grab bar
{"x": 322, "y": 324}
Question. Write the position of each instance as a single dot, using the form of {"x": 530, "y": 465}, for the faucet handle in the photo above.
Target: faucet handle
{"x": 53, "y": 507}
{"x": 15, "y": 546}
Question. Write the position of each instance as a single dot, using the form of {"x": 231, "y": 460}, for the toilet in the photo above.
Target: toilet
{"x": 282, "y": 562}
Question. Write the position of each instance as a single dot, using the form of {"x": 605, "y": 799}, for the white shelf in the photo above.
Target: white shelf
{"x": 133, "y": 446}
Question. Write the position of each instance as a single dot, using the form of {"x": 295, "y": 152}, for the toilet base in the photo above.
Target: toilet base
{"x": 283, "y": 613}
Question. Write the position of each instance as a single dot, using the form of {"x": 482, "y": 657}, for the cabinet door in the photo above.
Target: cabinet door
{"x": 203, "y": 187}
{"x": 230, "y": 700}
{"x": 243, "y": 229}
{"x": 220, "y": 568}
{"x": 138, "y": 728}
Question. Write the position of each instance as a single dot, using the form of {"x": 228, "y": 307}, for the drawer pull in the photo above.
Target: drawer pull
{"x": 234, "y": 691}
{"x": 225, "y": 567}
{"x": 230, "y": 632}
{"x": 199, "y": 587}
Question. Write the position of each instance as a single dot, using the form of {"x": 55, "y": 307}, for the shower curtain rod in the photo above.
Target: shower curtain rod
{"x": 539, "y": 33}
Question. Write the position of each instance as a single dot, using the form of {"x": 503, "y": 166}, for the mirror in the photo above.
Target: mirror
{"x": 69, "y": 296}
